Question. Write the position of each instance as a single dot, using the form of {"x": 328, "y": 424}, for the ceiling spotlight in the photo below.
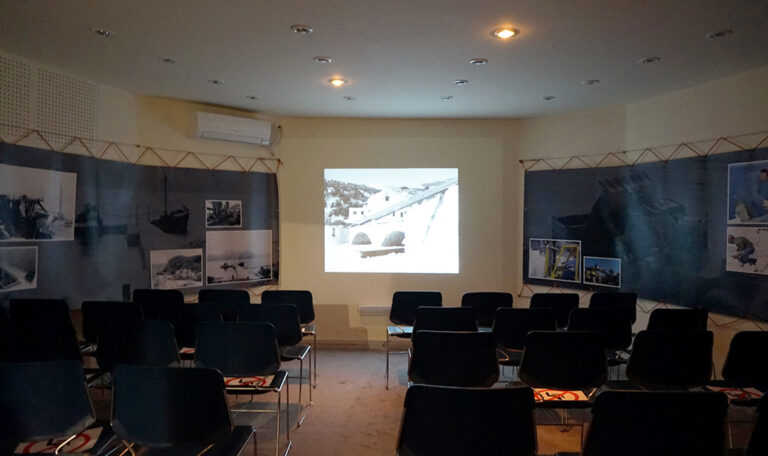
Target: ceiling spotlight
{"x": 252, "y": 97}
{"x": 589, "y": 82}
{"x": 322, "y": 59}
{"x": 169, "y": 60}
{"x": 447, "y": 98}
{"x": 348, "y": 98}
{"x": 719, "y": 34}
{"x": 649, "y": 60}
{"x": 337, "y": 82}
{"x": 101, "y": 32}
{"x": 460, "y": 82}
{"x": 505, "y": 33}
{"x": 548, "y": 98}
{"x": 301, "y": 29}
{"x": 478, "y": 61}
{"x": 216, "y": 81}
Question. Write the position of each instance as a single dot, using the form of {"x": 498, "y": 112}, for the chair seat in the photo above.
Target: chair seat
{"x": 405, "y": 332}
{"x": 294, "y": 352}
{"x": 309, "y": 329}
{"x": 232, "y": 446}
{"x": 275, "y": 385}
{"x": 104, "y": 438}
{"x": 509, "y": 357}
{"x": 732, "y": 399}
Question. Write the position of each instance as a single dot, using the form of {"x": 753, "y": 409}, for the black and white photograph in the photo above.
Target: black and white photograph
{"x": 238, "y": 256}
{"x": 18, "y": 268}
{"x": 747, "y": 250}
{"x": 223, "y": 214}
{"x": 36, "y": 204}
{"x": 392, "y": 220}
{"x": 554, "y": 259}
{"x": 172, "y": 269}
{"x": 605, "y": 272}
{"x": 748, "y": 193}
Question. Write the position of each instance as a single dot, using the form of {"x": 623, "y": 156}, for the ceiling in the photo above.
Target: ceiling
{"x": 399, "y": 56}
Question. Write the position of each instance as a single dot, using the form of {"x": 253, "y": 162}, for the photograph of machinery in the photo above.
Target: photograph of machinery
{"x": 554, "y": 259}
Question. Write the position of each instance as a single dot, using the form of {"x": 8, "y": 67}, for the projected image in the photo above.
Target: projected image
{"x": 392, "y": 220}
{"x": 747, "y": 250}
{"x": 748, "y": 193}
{"x": 554, "y": 259}
{"x": 602, "y": 271}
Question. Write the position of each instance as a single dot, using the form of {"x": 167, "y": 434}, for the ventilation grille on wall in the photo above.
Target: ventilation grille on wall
{"x": 15, "y": 93}
{"x": 66, "y": 105}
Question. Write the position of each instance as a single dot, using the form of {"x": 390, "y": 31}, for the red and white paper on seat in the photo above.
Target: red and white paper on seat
{"x": 547, "y": 395}
{"x": 262, "y": 382}
{"x": 737, "y": 394}
{"x": 83, "y": 442}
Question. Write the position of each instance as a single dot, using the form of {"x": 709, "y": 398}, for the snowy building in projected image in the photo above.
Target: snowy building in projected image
{"x": 378, "y": 202}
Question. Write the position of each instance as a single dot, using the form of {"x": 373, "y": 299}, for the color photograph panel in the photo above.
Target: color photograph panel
{"x": 554, "y": 259}
{"x": 604, "y": 272}
{"x": 747, "y": 250}
{"x": 748, "y": 193}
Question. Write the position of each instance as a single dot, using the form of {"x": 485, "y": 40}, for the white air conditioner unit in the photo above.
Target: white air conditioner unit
{"x": 239, "y": 129}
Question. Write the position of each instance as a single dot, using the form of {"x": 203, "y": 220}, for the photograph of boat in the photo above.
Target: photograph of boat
{"x": 174, "y": 222}
{"x": 18, "y": 268}
{"x": 238, "y": 256}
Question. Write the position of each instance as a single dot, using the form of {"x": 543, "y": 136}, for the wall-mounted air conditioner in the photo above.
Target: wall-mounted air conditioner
{"x": 239, "y": 129}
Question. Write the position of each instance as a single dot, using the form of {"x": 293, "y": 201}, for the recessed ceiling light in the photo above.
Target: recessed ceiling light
{"x": 505, "y": 33}
{"x": 548, "y": 98}
{"x": 447, "y": 98}
{"x": 101, "y": 32}
{"x": 460, "y": 82}
{"x": 348, "y": 98}
{"x": 590, "y": 82}
{"x": 302, "y": 29}
{"x": 478, "y": 61}
{"x": 649, "y": 60}
{"x": 252, "y": 97}
{"x": 719, "y": 34}
{"x": 337, "y": 82}
{"x": 170, "y": 60}
{"x": 322, "y": 59}
{"x": 216, "y": 81}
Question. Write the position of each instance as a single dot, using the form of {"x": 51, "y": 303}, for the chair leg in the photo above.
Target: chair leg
{"x": 288, "y": 410}
{"x": 387, "y": 344}
{"x": 277, "y": 426}
{"x": 314, "y": 357}
{"x": 301, "y": 381}
{"x": 311, "y": 368}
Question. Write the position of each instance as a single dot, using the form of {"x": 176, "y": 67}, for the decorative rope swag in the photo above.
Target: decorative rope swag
{"x": 662, "y": 154}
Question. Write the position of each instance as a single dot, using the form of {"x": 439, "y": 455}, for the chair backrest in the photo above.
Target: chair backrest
{"x": 40, "y": 309}
{"x": 560, "y": 304}
{"x": 486, "y": 303}
{"x": 238, "y": 349}
{"x": 439, "y": 420}
{"x": 188, "y": 316}
{"x": 449, "y": 358}
{"x": 26, "y": 339}
{"x": 641, "y": 423}
{"x": 617, "y": 300}
{"x": 229, "y": 302}
{"x": 511, "y": 326}
{"x": 445, "y": 319}
{"x": 98, "y": 314}
{"x": 670, "y": 359}
{"x": 161, "y": 407}
{"x": 758, "y": 441}
{"x": 405, "y": 303}
{"x": 284, "y": 317}
{"x": 142, "y": 343}
{"x": 41, "y": 401}
{"x": 564, "y": 360}
{"x": 302, "y": 299}
{"x": 678, "y": 320}
{"x": 746, "y": 364}
{"x": 158, "y": 304}
{"x": 613, "y": 323}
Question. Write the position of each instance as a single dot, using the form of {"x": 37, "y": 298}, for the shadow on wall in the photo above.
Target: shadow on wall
{"x": 333, "y": 327}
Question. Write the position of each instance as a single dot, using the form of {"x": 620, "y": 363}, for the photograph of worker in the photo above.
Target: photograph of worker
{"x": 223, "y": 214}
{"x": 172, "y": 269}
{"x": 748, "y": 193}
{"x": 554, "y": 259}
{"x": 747, "y": 250}
{"x": 605, "y": 272}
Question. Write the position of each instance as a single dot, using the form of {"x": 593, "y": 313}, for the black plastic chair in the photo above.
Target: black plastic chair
{"x": 285, "y": 319}
{"x": 100, "y": 314}
{"x": 511, "y": 327}
{"x": 40, "y": 309}
{"x": 639, "y": 423}
{"x": 158, "y": 304}
{"x": 758, "y": 441}
{"x": 42, "y": 401}
{"x": 187, "y": 317}
{"x": 449, "y": 358}
{"x": 615, "y": 324}
{"x": 175, "y": 411}
{"x": 445, "y": 319}
{"x": 26, "y": 339}
{"x": 140, "y": 343}
{"x": 678, "y": 320}
{"x": 560, "y": 304}
{"x": 485, "y": 304}
{"x": 746, "y": 364}
{"x": 402, "y": 314}
{"x": 229, "y": 302}
{"x": 626, "y": 302}
{"x": 670, "y": 359}
{"x": 440, "y": 421}
{"x": 303, "y": 301}
{"x": 242, "y": 350}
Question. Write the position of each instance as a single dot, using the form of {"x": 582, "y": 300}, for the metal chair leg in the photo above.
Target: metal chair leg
{"x": 277, "y": 426}
{"x": 314, "y": 356}
{"x": 387, "y": 344}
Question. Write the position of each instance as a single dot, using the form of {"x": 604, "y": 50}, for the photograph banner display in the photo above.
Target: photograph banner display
{"x": 555, "y": 259}
{"x": 18, "y": 268}
{"x": 392, "y": 220}
{"x": 665, "y": 222}
{"x": 238, "y": 256}
{"x": 605, "y": 272}
{"x": 172, "y": 269}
